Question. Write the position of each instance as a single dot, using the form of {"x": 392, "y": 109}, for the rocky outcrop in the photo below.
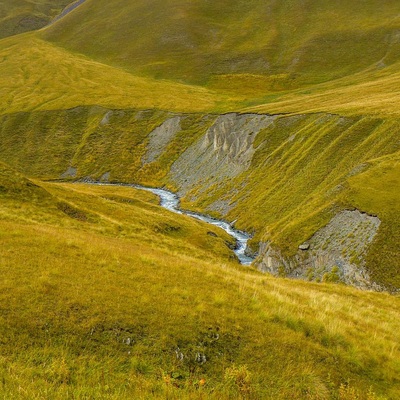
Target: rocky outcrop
{"x": 160, "y": 137}
{"x": 334, "y": 253}
{"x": 222, "y": 153}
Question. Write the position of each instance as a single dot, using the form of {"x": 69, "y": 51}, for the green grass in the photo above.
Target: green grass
{"x": 85, "y": 268}
{"x": 371, "y": 92}
{"x": 377, "y": 189}
{"x": 256, "y": 56}
{"x": 36, "y": 75}
{"x": 302, "y": 174}
{"x": 68, "y": 310}
{"x": 197, "y": 41}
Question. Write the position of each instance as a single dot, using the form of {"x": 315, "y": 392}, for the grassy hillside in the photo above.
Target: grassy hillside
{"x": 256, "y": 56}
{"x": 18, "y": 16}
{"x": 128, "y": 315}
{"x": 376, "y": 191}
{"x": 305, "y": 170}
{"x": 293, "y": 42}
{"x": 372, "y": 92}
{"x": 106, "y": 295}
{"x": 37, "y": 75}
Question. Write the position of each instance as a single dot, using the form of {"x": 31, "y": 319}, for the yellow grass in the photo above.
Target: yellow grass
{"x": 75, "y": 289}
{"x": 36, "y": 75}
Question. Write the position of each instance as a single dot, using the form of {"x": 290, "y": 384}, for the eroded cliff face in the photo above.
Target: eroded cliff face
{"x": 225, "y": 151}
{"x": 334, "y": 253}
{"x": 160, "y": 137}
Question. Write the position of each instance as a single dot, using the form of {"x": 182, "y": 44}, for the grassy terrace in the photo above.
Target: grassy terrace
{"x": 36, "y": 75}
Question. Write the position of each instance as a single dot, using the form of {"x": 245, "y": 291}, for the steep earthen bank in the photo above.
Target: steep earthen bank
{"x": 283, "y": 178}
{"x": 335, "y": 253}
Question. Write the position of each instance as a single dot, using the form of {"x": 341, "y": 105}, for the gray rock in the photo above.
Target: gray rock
{"x": 106, "y": 118}
{"x": 341, "y": 245}
{"x": 69, "y": 173}
{"x": 105, "y": 177}
{"x": 200, "y": 358}
{"x": 225, "y": 151}
{"x": 160, "y": 137}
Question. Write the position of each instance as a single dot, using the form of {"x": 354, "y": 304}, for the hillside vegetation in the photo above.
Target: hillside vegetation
{"x": 112, "y": 319}
{"x": 256, "y": 56}
{"x": 37, "y": 75}
{"x": 295, "y": 42}
{"x": 18, "y": 16}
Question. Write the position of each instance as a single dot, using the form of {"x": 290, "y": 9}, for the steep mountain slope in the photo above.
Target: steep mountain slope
{"x": 283, "y": 178}
{"x": 293, "y": 42}
{"x": 18, "y": 16}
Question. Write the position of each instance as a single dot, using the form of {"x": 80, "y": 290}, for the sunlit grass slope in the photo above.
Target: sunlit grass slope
{"x": 17, "y": 16}
{"x": 129, "y": 314}
{"x": 38, "y": 75}
{"x": 373, "y": 91}
{"x": 248, "y": 56}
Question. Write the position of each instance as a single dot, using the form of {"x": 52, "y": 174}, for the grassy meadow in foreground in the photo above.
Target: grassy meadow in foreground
{"x": 106, "y": 295}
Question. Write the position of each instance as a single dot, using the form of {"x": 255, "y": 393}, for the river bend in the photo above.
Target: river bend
{"x": 170, "y": 201}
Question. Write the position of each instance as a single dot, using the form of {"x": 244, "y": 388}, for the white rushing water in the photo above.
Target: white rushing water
{"x": 170, "y": 201}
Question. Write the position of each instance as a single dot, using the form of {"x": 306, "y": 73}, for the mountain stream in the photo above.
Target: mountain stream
{"x": 170, "y": 201}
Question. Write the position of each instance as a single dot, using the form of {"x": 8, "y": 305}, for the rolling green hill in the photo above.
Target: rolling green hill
{"x": 268, "y": 57}
{"x": 35, "y": 75}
